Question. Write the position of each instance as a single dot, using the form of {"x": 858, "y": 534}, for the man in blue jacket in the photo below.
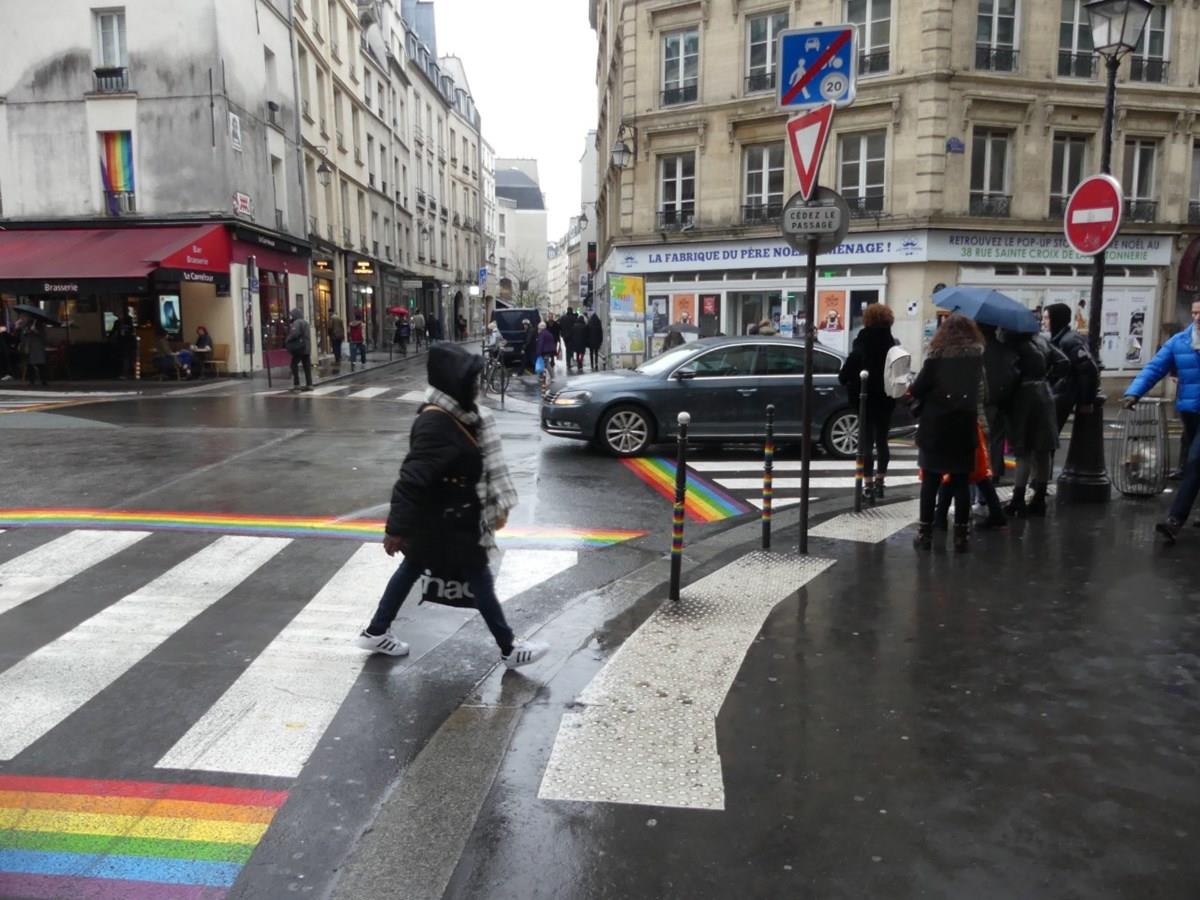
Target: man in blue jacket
{"x": 1180, "y": 356}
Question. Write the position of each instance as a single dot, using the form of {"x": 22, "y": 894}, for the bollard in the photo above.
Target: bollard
{"x": 768, "y": 490}
{"x": 860, "y": 461}
{"x": 680, "y": 497}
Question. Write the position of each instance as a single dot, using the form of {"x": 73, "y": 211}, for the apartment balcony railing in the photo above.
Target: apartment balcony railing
{"x": 1153, "y": 71}
{"x": 676, "y": 217}
{"x": 279, "y": 220}
{"x": 418, "y": 134}
{"x": 757, "y": 82}
{"x": 876, "y": 63}
{"x": 995, "y": 59}
{"x": 761, "y": 213}
{"x": 687, "y": 93}
{"x": 867, "y": 206}
{"x": 119, "y": 203}
{"x": 1076, "y": 65}
{"x": 1141, "y": 210}
{"x": 1194, "y": 212}
{"x": 111, "y": 79}
{"x": 994, "y": 205}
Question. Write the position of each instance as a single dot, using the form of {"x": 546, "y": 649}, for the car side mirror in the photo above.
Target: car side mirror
{"x": 684, "y": 375}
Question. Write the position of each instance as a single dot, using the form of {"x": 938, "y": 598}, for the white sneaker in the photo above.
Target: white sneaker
{"x": 525, "y": 652}
{"x": 381, "y": 643}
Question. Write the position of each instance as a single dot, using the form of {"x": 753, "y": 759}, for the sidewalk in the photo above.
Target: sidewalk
{"x": 1018, "y": 721}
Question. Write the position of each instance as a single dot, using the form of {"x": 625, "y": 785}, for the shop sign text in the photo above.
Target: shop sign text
{"x": 985, "y": 247}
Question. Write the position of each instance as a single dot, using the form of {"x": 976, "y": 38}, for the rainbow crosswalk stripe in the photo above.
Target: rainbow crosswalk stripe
{"x": 289, "y": 526}
{"x": 126, "y": 840}
{"x": 705, "y": 501}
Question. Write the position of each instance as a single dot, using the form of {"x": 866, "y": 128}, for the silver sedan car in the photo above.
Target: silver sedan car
{"x": 724, "y": 383}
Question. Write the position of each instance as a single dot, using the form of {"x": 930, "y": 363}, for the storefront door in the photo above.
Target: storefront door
{"x": 323, "y": 302}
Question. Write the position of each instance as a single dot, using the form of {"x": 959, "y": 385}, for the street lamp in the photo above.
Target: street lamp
{"x": 324, "y": 170}
{"x": 1116, "y": 30}
{"x": 622, "y": 153}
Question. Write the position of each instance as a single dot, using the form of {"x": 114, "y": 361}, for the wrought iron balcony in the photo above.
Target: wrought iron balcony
{"x": 995, "y": 59}
{"x": 867, "y": 206}
{"x": 761, "y": 213}
{"x": 119, "y": 203}
{"x": 111, "y": 79}
{"x": 687, "y": 93}
{"x": 1076, "y": 65}
{"x": 1194, "y": 212}
{"x": 1141, "y": 210}
{"x": 994, "y": 205}
{"x": 676, "y": 217}
{"x": 1153, "y": 71}
{"x": 757, "y": 82}
{"x": 876, "y": 63}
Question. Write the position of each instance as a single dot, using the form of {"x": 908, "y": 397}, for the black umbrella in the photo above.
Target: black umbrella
{"x": 36, "y": 313}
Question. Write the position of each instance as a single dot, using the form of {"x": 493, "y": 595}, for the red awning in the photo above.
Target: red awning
{"x": 57, "y": 257}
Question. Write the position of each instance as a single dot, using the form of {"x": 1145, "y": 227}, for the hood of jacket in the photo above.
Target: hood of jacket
{"x": 454, "y": 370}
{"x": 296, "y": 314}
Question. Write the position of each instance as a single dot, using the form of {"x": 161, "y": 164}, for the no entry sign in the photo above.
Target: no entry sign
{"x": 1093, "y": 215}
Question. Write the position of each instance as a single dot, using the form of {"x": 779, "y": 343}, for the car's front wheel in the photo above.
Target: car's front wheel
{"x": 625, "y": 431}
{"x": 840, "y": 435}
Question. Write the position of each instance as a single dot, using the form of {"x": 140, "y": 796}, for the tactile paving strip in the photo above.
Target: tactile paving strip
{"x": 647, "y": 732}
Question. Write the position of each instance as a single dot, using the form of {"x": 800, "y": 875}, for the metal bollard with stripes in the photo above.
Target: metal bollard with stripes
{"x": 768, "y": 488}
{"x": 860, "y": 460}
{"x": 680, "y": 499}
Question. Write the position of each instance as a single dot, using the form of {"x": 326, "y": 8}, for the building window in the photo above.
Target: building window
{"x": 1149, "y": 59}
{"x": 861, "y": 165}
{"x": 1194, "y": 202}
{"x": 116, "y": 172}
{"x": 1066, "y": 170}
{"x": 989, "y": 173}
{"x": 677, "y": 190}
{"x": 1075, "y": 56}
{"x": 873, "y": 20}
{"x": 112, "y": 72}
{"x": 338, "y": 119}
{"x": 681, "y": 67}
{"x": 762, "y": 183}
{"x": 1138, "y": 179}
{"x": 322, "y": 114}
{"x": 996, "y": 36}
{"x": 762, "y": 33}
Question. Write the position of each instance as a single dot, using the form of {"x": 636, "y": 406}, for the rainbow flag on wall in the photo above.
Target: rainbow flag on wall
{"x": 127, "y": 840}
{"x": 116, "y": 166}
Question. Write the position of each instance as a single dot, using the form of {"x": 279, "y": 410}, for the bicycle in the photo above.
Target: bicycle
{"x": 495, "y": 375}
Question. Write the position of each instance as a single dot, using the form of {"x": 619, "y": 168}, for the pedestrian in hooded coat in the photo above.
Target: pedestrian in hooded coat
{"x": 33, "y": 348}
{"x": 529, "y": 344}
{"x": 595, "y": 339}
{"x": 565, "y": 326}
{"x": 1180, "y": 356}
{"x": 454, "y": 493}
{"x": 578, "y": 343}
{"x": 1076, "y": 391}
{"x": 869, "y": 352}
{"x": 1033, "y": 422}
{"x": 949, "y": 393}
{"x": 299, "y": 344}
{"x": 547, "y": 346}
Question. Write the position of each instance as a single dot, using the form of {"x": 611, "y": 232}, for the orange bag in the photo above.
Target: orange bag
{"x": 983, "y": 466}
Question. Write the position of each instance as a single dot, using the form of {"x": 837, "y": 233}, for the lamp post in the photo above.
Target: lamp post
{"x": 1116, "y": 27}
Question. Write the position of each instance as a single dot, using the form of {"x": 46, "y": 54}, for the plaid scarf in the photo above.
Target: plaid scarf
{"x": 497, "y": 495}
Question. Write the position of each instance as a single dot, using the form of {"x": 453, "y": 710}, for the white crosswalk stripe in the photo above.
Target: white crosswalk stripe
{"x": 274, "y": 715}
{"x": 350, "y": 392}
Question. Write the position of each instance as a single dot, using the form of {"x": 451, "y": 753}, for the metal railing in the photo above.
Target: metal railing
{"x": 1194, "y": 212}
{"x": 997, "y": 205}
{"x": 995, "y": 59}
{"x": 1076, "y": 65}
{"x": 1141, "y": 210}
{"x": 876, "y": 63}
{"x": 111, "y": 79}
{"x": 687, "y": 93}
{"x": 1153, "y": 71}
{"x": 118, "y": 203}
{"x": 761, "y": 213}
{"x": 866, "y": 206}
{"x": 760, "y": 81}
{"x": 676, "y": 216}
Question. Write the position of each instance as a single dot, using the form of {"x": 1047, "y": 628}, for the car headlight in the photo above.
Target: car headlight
{"x": 572, "y": 398}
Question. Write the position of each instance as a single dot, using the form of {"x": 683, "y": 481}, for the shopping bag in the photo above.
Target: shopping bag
{"x": 540, "y": 365}
{"x": 983, "y": 463}
{"x": 446, "y": 591}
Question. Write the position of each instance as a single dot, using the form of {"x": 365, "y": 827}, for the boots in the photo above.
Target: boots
{"x": 868, "y": 494}
{"x": 1016, "y": 506}
{"x": 924, "y": 538}
{"x": 1037, "y": 505}
{"x": 960, "y": 537}
{"x": 878, "y": 487}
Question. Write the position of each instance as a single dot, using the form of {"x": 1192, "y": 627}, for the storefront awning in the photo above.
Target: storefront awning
{"x": 74, "y": 260}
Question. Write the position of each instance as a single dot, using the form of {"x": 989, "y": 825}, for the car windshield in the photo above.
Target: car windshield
{"x": 666, "y": 362}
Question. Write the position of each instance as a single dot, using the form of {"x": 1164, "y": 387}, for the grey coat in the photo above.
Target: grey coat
{"x": 33, "y": 345}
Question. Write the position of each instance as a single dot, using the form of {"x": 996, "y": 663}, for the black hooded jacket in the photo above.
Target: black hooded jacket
{"x": 869, "y": 351}
{"x": 1082, "y": 383}
{"x": 434, "y": 502}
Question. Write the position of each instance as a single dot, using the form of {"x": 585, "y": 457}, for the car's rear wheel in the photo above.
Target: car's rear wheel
{"x": 840, "y": 435}
{"x": 625, "y": 431}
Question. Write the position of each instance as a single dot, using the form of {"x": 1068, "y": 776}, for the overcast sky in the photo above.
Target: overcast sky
{"x": 531, "y": 65}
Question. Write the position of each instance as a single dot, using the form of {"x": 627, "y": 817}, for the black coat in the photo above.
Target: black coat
{"x": 435, "y": 504}
{"x": 949, "y": 392}
{"x": 869, "y": 352}
{"x": 1032, "y": 427}
{"x": 595, "y": 333}
{"x": 577, "y": 338}
{"x": 1082, "y": 381}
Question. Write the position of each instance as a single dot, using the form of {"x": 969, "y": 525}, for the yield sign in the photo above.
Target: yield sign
{"x": 807, "y": 135}
{"x": 1093, "y": 215}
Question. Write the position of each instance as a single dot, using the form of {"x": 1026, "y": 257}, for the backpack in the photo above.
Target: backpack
{"x": 356, "y": 333}
{"x": 897, "y": 372}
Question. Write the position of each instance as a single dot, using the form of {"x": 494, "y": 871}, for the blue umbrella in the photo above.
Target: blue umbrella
{"x": 988, "y": 307}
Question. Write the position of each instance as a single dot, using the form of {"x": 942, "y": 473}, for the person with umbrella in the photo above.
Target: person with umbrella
{"x": 31, "y": 331}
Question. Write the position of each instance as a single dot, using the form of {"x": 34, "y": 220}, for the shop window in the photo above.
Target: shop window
{"x": 1140, "y": 162}
{"x": 1148, "y": 61}
{"x": 681, "y": 67}
{"x": 762, "y": 34}
{"x": 996, "y": 36}
{"x": 1075, "y": 56}
{"x": 873, "y": 21}
{"x": 989, "y": 173}
{"x": 1066, "y": 170}
{"x": 677, "y": 190}
{"x": 762, "y": 183}
{"x": 861, "y": 168}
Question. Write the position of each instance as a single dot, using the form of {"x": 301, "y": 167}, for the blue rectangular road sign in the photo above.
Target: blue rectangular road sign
{"x": 816, "y": 66}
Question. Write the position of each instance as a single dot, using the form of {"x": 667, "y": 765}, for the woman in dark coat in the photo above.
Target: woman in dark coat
{"x": 1033, "y": 426}
{"x": 577, "y": 346}
{"x": 595, "y": 339}
{"x": 949, "y": 395}
{"x": 869, "y": 353}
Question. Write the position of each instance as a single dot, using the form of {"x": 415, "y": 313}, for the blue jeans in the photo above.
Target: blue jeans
{"x": 1189, "y": 487}
{"x": 359, "y": 348}
{"x": 480, "y": 583}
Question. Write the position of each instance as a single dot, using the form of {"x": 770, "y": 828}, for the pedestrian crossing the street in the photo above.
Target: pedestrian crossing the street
{"x": 272, "y": 716}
